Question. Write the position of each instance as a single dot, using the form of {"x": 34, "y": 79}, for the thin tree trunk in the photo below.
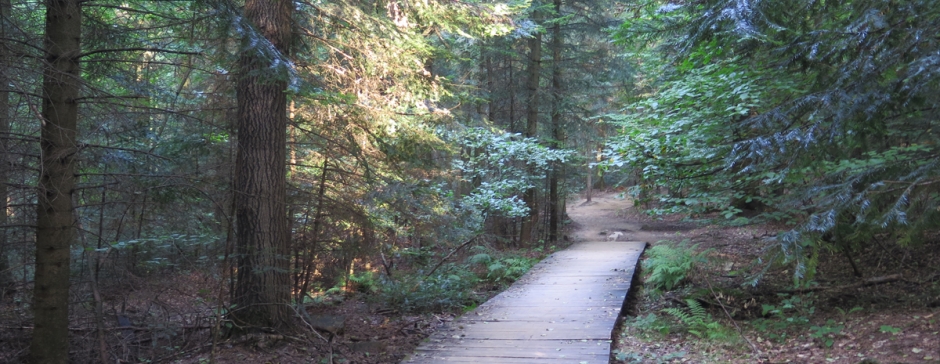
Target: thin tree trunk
{"x": 6, "y": 276}
{"x": 598, "y": 157}
{"x": 557, "y": 129}
{"x": 512, "y": 99}
{"x": 309, "y": 254}
{"x": 531, "y": 131}
{"x": 262, "y": 290}
{"x": 491, "y": 108}
{"x": 590, "y": 178}
{"x": 135, "y": 248}
{"x": 508, "y": 225}
{"x": 54, "y": 215}
{"x": 94, "y": 265}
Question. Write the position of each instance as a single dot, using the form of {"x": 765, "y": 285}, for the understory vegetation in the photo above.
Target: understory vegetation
{"x": 712, "y": 314}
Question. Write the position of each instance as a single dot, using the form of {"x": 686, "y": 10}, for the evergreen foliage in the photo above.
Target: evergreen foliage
{"x": 821, "y": 112}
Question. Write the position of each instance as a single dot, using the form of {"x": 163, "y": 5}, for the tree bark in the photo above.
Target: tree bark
{"x": 54, "y": 215}
{"x": 558, "y": 133}
{"x": 262, "y": 290}
{"x": 531, "y": 131}
{"x": 490, "y": 90}
{"x": 308, "y": 262}
{"x": 512, "y": 97}
{"x": 589, "y": 191}
{"x": 6, "y": 277}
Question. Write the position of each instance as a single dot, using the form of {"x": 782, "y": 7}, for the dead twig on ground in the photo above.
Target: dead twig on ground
{"x": 757, "y": 353}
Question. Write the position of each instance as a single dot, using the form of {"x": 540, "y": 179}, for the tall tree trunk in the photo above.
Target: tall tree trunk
{"x": 512, "y": 98}
{"x": 6, "y": 277}
{"x": 490, "y": 90}
{"x": 507, "y": 226}
{"x": 589, "y": 191}
{"x": 54, "y": 215}
{"x": 262, "y": 290}
{"x": 532, "y": 127}
{"x": 558, "y": 135}
{"x": 309, "y": 252}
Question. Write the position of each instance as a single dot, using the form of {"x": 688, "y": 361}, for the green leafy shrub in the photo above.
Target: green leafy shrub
{"x": 827, "y": 332}
{"x": 669, "y": 265}
{"x": 509, "y": 269}
{"x": 449, "y": 290}
{"x": 650, "y": 323}
{"x": 504, "y": 165}
{"x": 365, "y": 281}
{"x": 647, "y": 357}
{"x": 501, "y": 270}
{"x": 791, "y": 313}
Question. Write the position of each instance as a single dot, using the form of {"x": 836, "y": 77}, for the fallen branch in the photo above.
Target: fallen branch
{"x": 451, "y": 253}
{"x": 930, "y": 278}
{"x": 135, "y": 328}
{"x": 864, "y": 283}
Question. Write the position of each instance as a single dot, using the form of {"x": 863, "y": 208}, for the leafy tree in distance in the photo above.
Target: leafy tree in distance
{"x": 576, "y": 71}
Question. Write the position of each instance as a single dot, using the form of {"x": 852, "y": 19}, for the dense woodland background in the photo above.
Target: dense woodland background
{"x": 281, "y": 150}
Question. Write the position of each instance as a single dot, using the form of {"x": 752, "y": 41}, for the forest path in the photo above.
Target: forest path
{"x": 562, "y": 311}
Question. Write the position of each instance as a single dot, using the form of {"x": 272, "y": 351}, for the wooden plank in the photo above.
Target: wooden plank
{"x": 526, "y": 351}
{"x": 550, "y": 293}
{"x": 609, "y": 315}
{"x": 592, "y": 354}
{"x": 594, "y": 359}
{"x": 576, "y": 303}
{"x": 561, "y": 311}
{"x": 532, "y": 330}
{"x": 547, "y": 344}
{"x": 570, "y": 356}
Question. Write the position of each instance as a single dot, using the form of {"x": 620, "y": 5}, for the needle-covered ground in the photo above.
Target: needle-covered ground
{"x": 891, "y": 314}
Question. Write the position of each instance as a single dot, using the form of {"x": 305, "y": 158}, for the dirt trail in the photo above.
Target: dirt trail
{"x": 606, "y": 215}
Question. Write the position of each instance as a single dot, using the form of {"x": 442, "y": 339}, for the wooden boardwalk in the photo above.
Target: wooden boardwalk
{"x": 562, "y": 311}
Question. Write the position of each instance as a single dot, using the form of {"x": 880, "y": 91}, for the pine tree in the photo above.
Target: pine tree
{"x": 262, "y": 289}
{"x": 55, "y": 219}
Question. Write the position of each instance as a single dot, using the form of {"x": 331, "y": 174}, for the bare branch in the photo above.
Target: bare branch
{"x": 138, "y": 49}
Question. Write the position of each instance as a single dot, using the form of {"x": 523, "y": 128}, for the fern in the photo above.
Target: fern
{"x": 481, "y": 258}
{"x": 698, "y": 322}
{"x": 693, "y": 316}
{"x": 669, "y": 266}
{"x": 366, "y": 281}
